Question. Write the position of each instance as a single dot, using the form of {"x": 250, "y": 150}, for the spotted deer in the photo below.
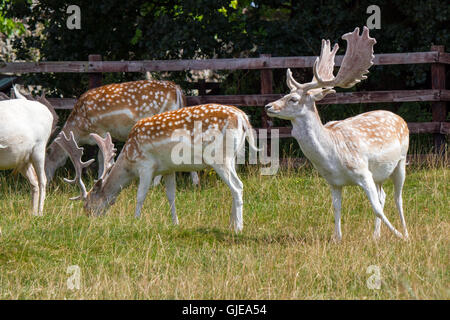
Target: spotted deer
{"x": 114, "y": 108}
{"x": 26, "y": 124}
{"x": 151, "y": 150}
{"x": 363, "y": 150}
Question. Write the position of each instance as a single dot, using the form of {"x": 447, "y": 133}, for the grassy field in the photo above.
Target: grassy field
{"x": 285, "y": 251}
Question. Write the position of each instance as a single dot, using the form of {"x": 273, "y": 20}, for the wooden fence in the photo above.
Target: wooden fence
{"x": 437, "y": 95}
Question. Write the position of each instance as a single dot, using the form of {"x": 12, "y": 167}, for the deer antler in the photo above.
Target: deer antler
{"x": 324, "y": 65}
{"x": 75, "y": 153}
{"x": 291, "y": 83}
{"x": 357, "y": 60}
{"x": 107, "y": 148}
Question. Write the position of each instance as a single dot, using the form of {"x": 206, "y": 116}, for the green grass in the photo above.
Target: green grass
{"x": 285, "y": 251}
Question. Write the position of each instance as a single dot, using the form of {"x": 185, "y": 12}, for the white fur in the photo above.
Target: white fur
{"x": 25, "y": 127}
{"x": 364, "y": 150}
{"x": 366, "y": 165}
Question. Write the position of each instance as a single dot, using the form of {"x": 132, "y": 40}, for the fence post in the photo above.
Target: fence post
{"x": 95, "y": 78}
{"x": 201, "y": 87}
{"x": 438, "y": 108}
{"x": 266, "y": 88}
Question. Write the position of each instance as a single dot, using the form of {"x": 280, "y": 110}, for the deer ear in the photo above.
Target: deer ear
{"x": 319, "y": 94}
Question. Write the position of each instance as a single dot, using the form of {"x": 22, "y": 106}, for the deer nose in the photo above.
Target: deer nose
{"x": 268, "y": 106}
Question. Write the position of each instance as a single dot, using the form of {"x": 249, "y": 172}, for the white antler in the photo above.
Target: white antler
{"x": 107, "y": 149}
{"x": 75, "y": 153}
{"x": 357, "y": 60}
{"x": 291, "y": 83}
{"x": 354, "y": 67}
{"x": 324, "y": 65}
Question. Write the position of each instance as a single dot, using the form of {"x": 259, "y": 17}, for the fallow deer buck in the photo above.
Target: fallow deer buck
{"x": 149, "y": 151}
{"x": 115, "y": 108}
{"x": 25, "y": 127}
{"x": 363, "y": 150}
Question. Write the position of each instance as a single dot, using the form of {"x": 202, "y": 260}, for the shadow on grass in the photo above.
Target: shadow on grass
{"x": 228, "y": 236}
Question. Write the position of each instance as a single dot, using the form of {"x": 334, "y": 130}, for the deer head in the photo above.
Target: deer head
{"x": 94, "y": 201}
{"x": 357, "y": 60}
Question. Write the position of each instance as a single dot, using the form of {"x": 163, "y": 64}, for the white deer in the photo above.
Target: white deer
{"x": 364, "y": 150}
{"x": 115, "y": 108}
{"x": 25, "y": 127}
{"x": 151, "y": 150}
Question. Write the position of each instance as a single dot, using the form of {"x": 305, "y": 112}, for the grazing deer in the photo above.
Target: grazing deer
{"x": 114, "y": 108}
{"x": 25, "y": 127}
{"x": 149, "y": 151}
{"x": 363, "y": 150}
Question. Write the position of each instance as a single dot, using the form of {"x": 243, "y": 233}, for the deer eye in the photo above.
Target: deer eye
{"x": 293, "y": 99}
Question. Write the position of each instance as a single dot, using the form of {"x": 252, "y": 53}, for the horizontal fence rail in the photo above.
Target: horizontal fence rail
{"x": 260, "y": 100}
{"x": 438, "y": 95}
{"x": 209, "y": 64}
{"x": 337, "y": 98}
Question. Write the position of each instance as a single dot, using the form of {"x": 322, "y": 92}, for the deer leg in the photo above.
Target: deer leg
{"x": 230, "y": 177}
{"x": 336, "y": 194}
{"x": 398, "y": 176}
{"x": 38, "y": 161}
{"x": 382, "y": 198}
{"x": 371, "y": 190}
{"x": 195, "y": 179}
{"x": 145, "y": 180}
{"x": 157, "y": 180}
{"x": 29, "y": 173}
{"x": 170, "y": 182}
{"x": 238, "y": 203}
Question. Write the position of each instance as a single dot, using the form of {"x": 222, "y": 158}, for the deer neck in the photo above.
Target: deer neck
{"x": 56, "y": 157}
{"x": 313, "y": 138}
{"x": 119, "y": 178}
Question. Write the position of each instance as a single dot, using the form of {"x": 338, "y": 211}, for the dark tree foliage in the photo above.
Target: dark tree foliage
{"x": 137, "y": 30}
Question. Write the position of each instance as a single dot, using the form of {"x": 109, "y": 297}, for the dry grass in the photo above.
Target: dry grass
{"x": 284, "y": 252}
